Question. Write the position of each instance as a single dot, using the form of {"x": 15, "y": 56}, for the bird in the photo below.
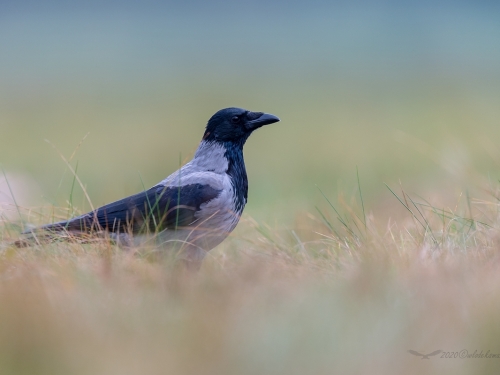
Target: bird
{"x": 425, "y": 356}
{"x": 194, "y": 209}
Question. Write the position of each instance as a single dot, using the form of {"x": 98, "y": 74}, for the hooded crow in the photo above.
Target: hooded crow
{"x": 192, "y": 210}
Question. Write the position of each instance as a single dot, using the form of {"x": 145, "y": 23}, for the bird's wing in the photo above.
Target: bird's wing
{"x": 415, "y": 352}
{"x": 153, "y": 210}
{"x": 434, "y": 353}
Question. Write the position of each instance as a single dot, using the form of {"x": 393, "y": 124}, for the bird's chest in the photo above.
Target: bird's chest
{"x": 223, "y": 212}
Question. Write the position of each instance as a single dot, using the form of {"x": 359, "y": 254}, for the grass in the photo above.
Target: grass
{"x": 346, "y": 279}
{"x": 329, "y": 295}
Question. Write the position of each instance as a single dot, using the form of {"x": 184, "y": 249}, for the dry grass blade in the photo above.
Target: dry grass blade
{"x": 82, "y": 186}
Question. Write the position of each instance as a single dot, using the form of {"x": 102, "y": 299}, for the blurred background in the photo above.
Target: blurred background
{"x": 402, "y": 91}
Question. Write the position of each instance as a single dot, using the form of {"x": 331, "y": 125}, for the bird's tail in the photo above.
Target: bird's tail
{"x": 40, "y": 235}
{"x": 54, "y": 228}
{"x": 49, "y": 233}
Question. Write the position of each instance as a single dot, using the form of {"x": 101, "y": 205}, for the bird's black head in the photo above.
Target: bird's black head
{"x": 235, "y": 125}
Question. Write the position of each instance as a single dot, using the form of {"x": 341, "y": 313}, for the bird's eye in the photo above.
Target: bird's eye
{"x": 235, "y": 119}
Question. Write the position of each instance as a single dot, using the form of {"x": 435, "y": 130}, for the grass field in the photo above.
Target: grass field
{"x": 340, "y": 291}
{"x": 324, "y": 274}
{"x": 372, "y": 226}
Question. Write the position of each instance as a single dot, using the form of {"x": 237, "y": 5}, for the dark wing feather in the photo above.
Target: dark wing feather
{"x": 153, "y": 210}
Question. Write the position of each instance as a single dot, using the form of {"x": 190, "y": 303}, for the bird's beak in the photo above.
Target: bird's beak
{"x": 264, "y": 119}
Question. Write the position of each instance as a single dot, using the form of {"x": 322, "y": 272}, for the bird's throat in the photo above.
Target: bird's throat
{"x": 225, "y": 157}
{"x": 236, "y": 170}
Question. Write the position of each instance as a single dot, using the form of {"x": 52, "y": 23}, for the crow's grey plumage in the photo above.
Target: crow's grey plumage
{"x": 196, "y": 207}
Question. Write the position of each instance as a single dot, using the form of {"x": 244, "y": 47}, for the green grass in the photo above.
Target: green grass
{"x": 430, "y": 134}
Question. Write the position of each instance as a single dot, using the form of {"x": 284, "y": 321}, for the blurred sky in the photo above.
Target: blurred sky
{"x": 350, "y": 80}
{"x": 46, "y": 45}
